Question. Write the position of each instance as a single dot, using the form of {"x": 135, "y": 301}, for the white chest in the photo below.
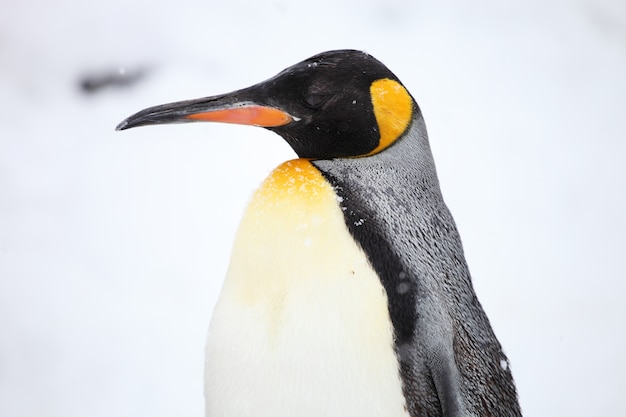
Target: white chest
{"x": 302, "y": 326}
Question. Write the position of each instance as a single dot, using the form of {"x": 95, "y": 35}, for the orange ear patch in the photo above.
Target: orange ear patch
{"x": 393, "y": 109}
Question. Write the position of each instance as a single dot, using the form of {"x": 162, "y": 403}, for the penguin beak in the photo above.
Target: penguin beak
{"x": 226, "y": 108}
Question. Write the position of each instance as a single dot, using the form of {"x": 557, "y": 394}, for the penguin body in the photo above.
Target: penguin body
{"x": 302, "y": 310}
{"x": 347, "y": 292}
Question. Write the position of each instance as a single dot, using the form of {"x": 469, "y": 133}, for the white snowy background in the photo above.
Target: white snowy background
{"x": 113, "y": 245}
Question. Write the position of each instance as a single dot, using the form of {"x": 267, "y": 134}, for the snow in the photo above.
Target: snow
{"x": 113, "y": 245}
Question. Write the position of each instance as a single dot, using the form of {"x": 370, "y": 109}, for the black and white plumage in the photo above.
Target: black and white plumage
{"x": 348, "y": 293}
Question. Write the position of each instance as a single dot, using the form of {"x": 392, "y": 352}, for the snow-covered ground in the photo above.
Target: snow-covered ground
{"x": 113, "y": 245}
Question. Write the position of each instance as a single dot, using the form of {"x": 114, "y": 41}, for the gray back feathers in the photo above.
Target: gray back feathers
{"x": 451, "y": 363}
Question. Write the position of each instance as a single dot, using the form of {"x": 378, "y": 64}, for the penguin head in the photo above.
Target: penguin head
{"x": 335, "y": 104}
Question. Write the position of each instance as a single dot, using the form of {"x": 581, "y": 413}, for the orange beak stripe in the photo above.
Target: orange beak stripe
{"x": 248, "y": 115}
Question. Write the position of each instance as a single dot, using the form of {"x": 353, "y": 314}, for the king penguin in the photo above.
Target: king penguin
{"x": 347, "y": 293}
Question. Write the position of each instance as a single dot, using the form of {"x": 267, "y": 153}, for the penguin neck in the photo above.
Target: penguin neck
{"x": 392, "y": 205}
{"x": 409, "y": 162}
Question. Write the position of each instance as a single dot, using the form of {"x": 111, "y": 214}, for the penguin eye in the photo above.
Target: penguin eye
{"x": 314, "y": 100}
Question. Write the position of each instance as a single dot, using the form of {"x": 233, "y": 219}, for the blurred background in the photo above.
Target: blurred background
{"x": 113, "y": 245}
